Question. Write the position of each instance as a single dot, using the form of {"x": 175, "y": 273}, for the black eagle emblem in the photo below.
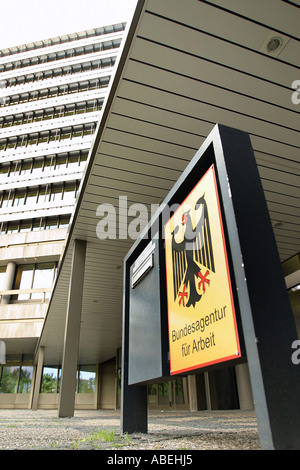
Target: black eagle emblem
{"x": 192, "y": 254}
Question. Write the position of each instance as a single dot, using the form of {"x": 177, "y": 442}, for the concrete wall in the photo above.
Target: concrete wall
{"x": 108, "y": 384}
{"x": 31, "y": 246}
{"x": 47, "y": 401}
{"x": 22, "y": 320}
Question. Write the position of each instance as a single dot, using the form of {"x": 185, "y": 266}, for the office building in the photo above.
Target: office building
{"x": 52, "y": 94}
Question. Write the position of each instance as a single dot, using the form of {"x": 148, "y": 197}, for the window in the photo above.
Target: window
{"x": 34, "y": 276}
{"x": 25, "y": 379}
{"x": 163, "y": 393}
{"x": 3, "y": 228}
{"x": 38, "y": 224}
{"x": 69, "y": 192}
{"x": 24, "y": 280}
{"x": 56, "y": 193}
{"x": 4, "y": 170}
{"x": 51, "y": 223}
{"x": 179, "y": 395}
{"x": 31, "y": 197}
{"x": 19, "y": 198}
{"x": 9, "y": 379}
{"x": 2, "y": 276}
{"x": 43, "y": 195}
{"x": 42, "y": 278}
{"x": 37, "y": 166}
{"x": 61, "y": 162}
{"x": 73, "y": 161}
{"x": 25, "y": 226}
{"x": 50, "y": 380}
{"x": 8, "y": 199}
{"x": 26, "y": 167}
{"x": 28, "y": 225}
{"x": 13, "y": 227}
{"x": 15, "y": 379}
{"x": 87, "y": 379}
{"x": 64, "y": 221}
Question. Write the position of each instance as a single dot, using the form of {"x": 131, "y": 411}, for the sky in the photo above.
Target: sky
{"x": 33, "y": 20}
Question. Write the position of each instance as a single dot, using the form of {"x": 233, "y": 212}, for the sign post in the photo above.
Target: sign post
{"x": 221, "y": 288}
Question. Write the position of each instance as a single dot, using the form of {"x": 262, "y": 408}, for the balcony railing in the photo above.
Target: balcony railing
{"x": 48, "y": 176}
{"x": 61, "y": 100}
{"x": 59, "y": 64}
{"x": 61, "y": 47}
{"x": 13, "y": 292}
{"x": 55, "y": 81}
{"x": 49, "y": 148}
{"x": 48, "y": 209}
{"x": 49, "y": 124}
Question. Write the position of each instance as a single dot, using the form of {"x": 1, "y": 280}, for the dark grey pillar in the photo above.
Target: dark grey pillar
{"x": 72, "y": 332}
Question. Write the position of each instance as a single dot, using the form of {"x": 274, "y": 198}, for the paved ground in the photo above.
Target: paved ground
{"x": 99, "y": 429}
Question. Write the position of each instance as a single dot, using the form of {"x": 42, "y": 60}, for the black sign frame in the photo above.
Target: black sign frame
{"x": 266, "y": 317}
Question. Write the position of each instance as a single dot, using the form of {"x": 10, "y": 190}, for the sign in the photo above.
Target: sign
{"x": 201, "y": 314}
{"x": 148, "y": 340}
{"x": 143, "y": 264}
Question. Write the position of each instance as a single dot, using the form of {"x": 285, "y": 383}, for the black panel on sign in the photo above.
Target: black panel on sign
{"x": 145, "y": 349}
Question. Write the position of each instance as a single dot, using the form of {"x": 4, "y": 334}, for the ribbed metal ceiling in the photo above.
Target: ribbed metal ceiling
{"x": 186, "y": 66}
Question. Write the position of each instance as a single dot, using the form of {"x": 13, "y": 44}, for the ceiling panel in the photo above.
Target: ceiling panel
{"x": 188, "y": 66}
{"x": 279, "y": 15}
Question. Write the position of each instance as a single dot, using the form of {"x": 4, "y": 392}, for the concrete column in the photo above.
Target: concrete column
{"x": 72, "y": 332}
{"x": 244, "y": 387}
{"x": 97, "y": 386}
{"x": 207, "y": 391}
{"x": 192, "y": 391}
{"x": 38, "y": 378}
{"x": 8, "y": 281}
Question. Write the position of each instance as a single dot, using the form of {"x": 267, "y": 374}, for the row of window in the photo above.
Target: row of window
{"x": 18, "y": 379}
{"x": 59, "y": 55}
{"x": 51, "y": 92}
{"x": 31, "y": 196}
{"x": 64, "y": 39}
{"x": 165, "y": 393}
{"x": 85, "y": 379}
{"x": 47, "y": 136}
{"x": 33, "y": 225}
{"x": 15, "y": 379}
{"x": 37, "y": 166}
{"x": 85, "y": 66}
{"x": 60, "y": 111}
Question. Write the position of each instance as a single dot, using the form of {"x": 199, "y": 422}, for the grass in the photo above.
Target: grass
{"x": 101, "y": 436}
{"x": 107, "y": 436}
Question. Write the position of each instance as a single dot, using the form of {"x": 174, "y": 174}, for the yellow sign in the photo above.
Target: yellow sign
{"x": 201, "y": 315}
